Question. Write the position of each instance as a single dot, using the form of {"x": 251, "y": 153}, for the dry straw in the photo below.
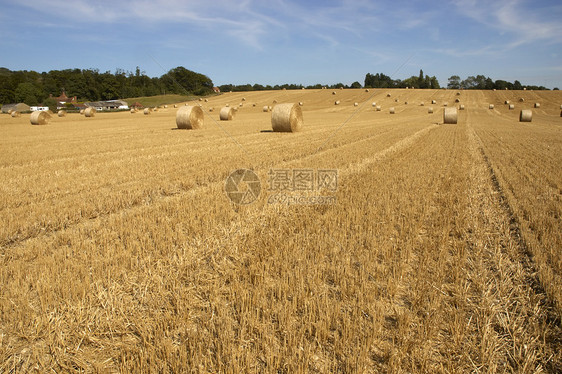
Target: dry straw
{"x": 366, "y": 90}
{"x": 511, "y": 106}
{"x": 133, "y": 110}
{"x": 491, "y": 106}
{"x": 450, "y": 115}
{"x": 387, "y": 95}
{"x": 15, "y": 114}
{"x": 374, "y": 104}
{"x": 521, "y": 99}
{"x": 526, "y": 115}
{"x": 391, "y": 110}
{"x": 461, "y": 107}
{"x": 537, "y": 105}
{"x": 506, "y": 102}
{"x": 287, "y": 117}
{"x": 39, "y": 118}
{"x": 81, "y": 111}
{"x": 433, "y": 102}
{"x": 430, "y": 110}
{"x": 445, "y": 104}
{"x": 226, "y": 114}
{"x": 165, "y": 106}
{"x": 10, "y": 111}
{"x": 189, "y": 117}
{"x": 146, "y": 111}
{"x": 405, "y": 103}
{"x": 378, "y": 108}
{"x": 355, "y": 104}
{"x": 337, "y": 102}
{"x": 333, "y": 92}
{"x": 90, "y": 112}
{"x": 422, "y": 103}
{"x": 265, "y": 108}
{"x": 211, "y": 109}
{"x": 61, "y": 113}
{"x": 301, "y": 103}
{"x": 457, "y": 100}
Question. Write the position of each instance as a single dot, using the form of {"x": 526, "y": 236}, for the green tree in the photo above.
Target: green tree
{"x": 28, "y": 93}
{"x": 454, "y": 82}
{"x": 355, "y": 85}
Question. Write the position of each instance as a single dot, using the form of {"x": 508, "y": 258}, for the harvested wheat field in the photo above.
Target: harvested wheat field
{"x": 439, "y": 249}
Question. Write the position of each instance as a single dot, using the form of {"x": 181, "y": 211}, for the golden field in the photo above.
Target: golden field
{"x": 121, "y": 252}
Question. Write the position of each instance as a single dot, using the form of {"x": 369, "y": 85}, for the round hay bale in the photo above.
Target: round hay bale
{"x": 10, "y": 111}
{"x": 146, "y": 111}
{"x": 355, "y": 104}
{"x": 254, "y": 104}
{"x": 227, "y": 105}
{"x": 274, "y": 101}
{"x": 81, "y": 111}
{"x": 241, "y": 105}
{"x": 189, "y": 117}
{"x": 506, "y": 102}
{"x": 511, "y": 106}
{"x": 395, "y": 100}
{"x": 165, "y": 106}
{"x": 200, "y": 99}
{"x": 433, "y": 102}
{"x": 450, "y": 115}
{"x": 521, "y": 100}
{"x": 445, "y": 104}
{"x": 405, "y": 103}
{"x": 226, "y": 114}
{"x": 374, "y": 104}
{"x": 461, "y": 107}
{"x": 265, "y": 108}
{"x": 337, "y": 102}
{"x": 206, "y": 100}
{"x": 186, "y": 104}
{"x": 458, "y": 93}
{"x": 243, "y": 99}
{"x": 494, "y": 89}
{"x": 367, "y": 90}
{"x": 15, "y": 114}
{"x": 561, "y": 113}
{"x": 387, "y": 95}
{"x": 211, "y": 109}
{"x": 422, "y": 103}
{"x": 90, "y": 112}
{"x": 491, "y": 106}
{"x": 287, "y": 117}
{"x": 333, "y": 92}
{"x": 39, "y": 118}
{"x": 269, "y": 107}
{"x": 430, "y": 110}
{"x": 526, "y": 115}
{"x": 391, "y": 110}
{"x": 341, "y": 88}
{"x": 133, "y": 110}
{"x": 457, "y": 100}
{"x": 301, "y": 103}
{"x": 537, "y": 105}
{"x": 378, "y": 108}
{"x": 560, "y": 106}
{"x": 61, "y": 113}
{"x": 155, "y": 109}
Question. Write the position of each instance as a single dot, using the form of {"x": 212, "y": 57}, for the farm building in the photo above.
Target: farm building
{"x": 216, "y": 89}
{"x": 108, "y": 105}
{"x": 18, "y": 107}
{"x": 39, "y": 108}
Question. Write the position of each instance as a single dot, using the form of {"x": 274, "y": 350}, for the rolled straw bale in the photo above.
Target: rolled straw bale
{"x": 422, "y": 103}
{"x": 133, "y": 110}
{"x": 445, "y": 104}
{"x": 81, "y": 111}
{"x": 374, "y": 104}
{"x": 337, "y": 102}
{"x": 450, "y": 115}
{"x": 391, "y": 110}
{"x": 186, "y": 104}
{"x": 521, "y": 100}
{"x": 269, "y": 108}
{"x": 10, "y": 111}
{"x": 560, "y": 106}
{"x": 254, "y": 104}
{"x": 206, "y": 100}
{"x": 333, "y": 92}
{"x": 457, "y": 100}
{"x": 387, "y": 95}
{"x": 15, "y": 114}
{"x": 274, "y": 101}
{"x": 165, "y": 106}
{"x": 227, "y": 105}
{"x": 367, "y": 90}
{"x": 243, "y": 99}
{"x": 301, "y": 103}
{"x": 287, "y": 117}
{"x": 526, "y": 115}
{"x": 189, "y": 117}
{"x": 146, "y": 111}
{"x": 395, "y": 100}
{"x": 355, "y": 104}
{"x": 433, "y": 102}
{"x": 61, "y": 113}
{"x": 265, "y": 108}
{"x": 430, "y": 110}
{"x": 461, "y": 107}
{"x": 405, "y": 103}
{"x": 211, "y": 109}
{"x": 561, "y": 113}
{"x": 200, "y": 99}
{"x": 155, "y": 109}
{"x": 524, "y": 88}
{"x": 537, "y": 105}
{"x": 378, "y": 108}
{"x": 511, "y": 106}
{"x": 491, "y": 106}
{"x": 241, "y": 105}
{"x": 458, "y": 93}
{"x": 226, "y": 114}
{"x": 494, "y": 89}
{"x": 506, "y": 102}
{"x": 90, "y": 112}
{"x": 341, "y": 88}
{"x": 39, "y": 118}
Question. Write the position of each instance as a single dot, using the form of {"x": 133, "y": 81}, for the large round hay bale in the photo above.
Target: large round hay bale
{"x": 265, "y": 108}
{"x": 450, "y": 115}
{"x": 90, "y": 112}
{"x": 560, "y": 106}
{"x": 15, "y": 114}
{"x": 526, "y": 115}
{"x": 133, "y": 110}
{"x": 367, "y": 90}
{"x": 458, "y": 93}
{"x": 537, "y": 105}
{"x": 491, "y": 106}
{"x": 39, "y": 118}
{"x": 146, "y": 111}
{"x": 405, "y": 103}
{"x": 287, "y": 117}
{"x": 430, "y": 110}
{"x": 226, "y": 114}
{"x": 189, "y": 117}
{"x": 511, "y": 106}
{"x": 337, "y": 102}
{"x": 61, "y": 113}
{"x": 391, "y": 110}
{"x": 175, "y": 105}
{"x": 211, "y": 109}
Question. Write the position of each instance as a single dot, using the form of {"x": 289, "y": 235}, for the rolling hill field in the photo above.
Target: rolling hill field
{"x": 434, "y": 247}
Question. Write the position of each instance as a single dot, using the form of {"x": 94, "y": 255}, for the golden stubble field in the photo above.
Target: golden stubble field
{"x": 121, "y": 252}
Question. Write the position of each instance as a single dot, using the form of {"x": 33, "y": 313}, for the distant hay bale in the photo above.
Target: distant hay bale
{"x": 405, "y": 103}
{"x": 341, "y": 88}
{"x": 524, "y": 88}
{"x": 355, "y": 104}
{"x": 186, "y": 104}
{"x": 367, "y": 90}
{"x": 254, "y": 104}
{"x": 433, "y": 102}
{"x": 81, "y": 111}
{"x": 422, "y": 103}
{"x": 206, "y": 100}
{"x": 133, "y": 110}
{"x": 270, "y": 108}
{"x": 265, "y": 108}
{"x": 274, "y": 101}
{"x": 457, "y": 100}
{"x": 491, "y": 106}
{"x": 200, "y": 99}
{"x": 537, "y": 105}
{"x": 526, "y": 115}
{"x": 15, "y": 114}
{"x": 10, "y": 111}
{"x": 243, "y": 99}
{"x": 287, "y": 117}
{"x": 430, "y": 110}
{"x": 445, "y": 104}
{"x": 378, "y": 108}
{"x": 494, "y": 89}
{"x": 461, "y": 107}
{"x": 61, "y": 113}
{"x": 241, "y": 105}
{"x": 458, "y": 93}
{"x": 521, "y": 100}
{"x": 301, "y": 103}
{"x": 560, "y": 106}
{"x": 506, "y": 102}
{"x": 189, "y": 117}
{"x": 227, "y": 105}
{"x": 165, "y": 106}
{"x": 450, "y": 115}
{"x": 387, "y": 95}
{"x": 337, "y": 102}
{"x": 391, "y": 110}
{"x": 333, "y": 92}
{"x": 211, "y": 109}
{"x": 90, "y": 112}
{"x": 39, "y": 118}
{"x": 395, "y": 100}
{"x": 511, "y": 106}
{"x": 155, "y": 109}
{"x": 226, "y": 114}
{"x": 374, "y": 104}
{"x": 146, "y": 111}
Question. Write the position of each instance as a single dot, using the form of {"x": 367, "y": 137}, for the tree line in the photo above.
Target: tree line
{"x": 481, "y": 82}
{"x": 381, "y": 80}
{"x": 34, "y": 88}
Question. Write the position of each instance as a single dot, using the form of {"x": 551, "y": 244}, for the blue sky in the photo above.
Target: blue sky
{"x": 289, "y": 41}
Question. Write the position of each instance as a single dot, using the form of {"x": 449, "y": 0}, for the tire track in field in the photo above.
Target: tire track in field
{"x": 160, "y": 197}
